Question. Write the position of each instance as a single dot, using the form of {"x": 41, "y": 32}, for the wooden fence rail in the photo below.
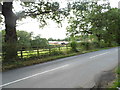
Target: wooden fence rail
{"x": 42, "y": 52}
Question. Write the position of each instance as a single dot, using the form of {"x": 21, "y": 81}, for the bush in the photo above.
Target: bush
{"x": 95, "y": 45}
{"x": 54, "y": 53}
{"x": 74, "y": 46}
{"x": 103, "y": 44}
{"x": 107, "y": 44}
{"x": 89, "y": 45}
{"x": 85, "y": 45}
{"x": 114, "y": 44}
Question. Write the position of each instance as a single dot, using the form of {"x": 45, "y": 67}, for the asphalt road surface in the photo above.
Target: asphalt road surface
{"x": 71, "y": 72}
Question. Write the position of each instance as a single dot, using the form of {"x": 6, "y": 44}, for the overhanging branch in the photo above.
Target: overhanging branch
{"x": 0, "y": 8}
{"x": 35, "y": 14}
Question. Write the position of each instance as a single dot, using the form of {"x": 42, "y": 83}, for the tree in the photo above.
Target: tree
{"x": 98, "y": 20}
{"x": 24, "y": 39}
{"x": 90, "y": 18}
{"x": 105, "y": 24}
{"x": 39, "y": 42}
{"x": 112, "y": 26}
{"x": 79, "y": 21}
{"x": 10, "y": 36}
{"x": 42, "y": 10}
{"x": 50, "y": 39}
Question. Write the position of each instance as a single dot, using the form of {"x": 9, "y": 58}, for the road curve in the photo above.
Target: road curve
{"x": 71, "y": 72}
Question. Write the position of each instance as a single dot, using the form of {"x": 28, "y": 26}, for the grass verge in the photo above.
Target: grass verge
{"x": 23, "y": 63}
{"x": 116, "y": 83}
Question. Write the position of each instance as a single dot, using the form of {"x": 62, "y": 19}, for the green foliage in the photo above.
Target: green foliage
{"x": 113, "y": 27}
{"x": 24, "y": 39}
{"x": 0, "y": 19}
{"x": 65, "y": 39}
{"x": 39, "y": 42}
{"x": 88, "y": 19}
{"x": 97, "y": 20}
{"x": 2, "y": 33}
{"x": 45, "y": 10}
{"x": 78, "y": 22}
{"x": 85, "y": 45}
{"x": 25, "y": 62}
{"x": 51, "y": 39}
{"x": 116, "y": 83}
{"x": 89, "y": 45}
{"x": 55, "y": 53}
{"x": 42, "y": 11}
{"x": 73, "y": 45}
{"x": 118, "y": 70}
{"x": 95, "y": 44}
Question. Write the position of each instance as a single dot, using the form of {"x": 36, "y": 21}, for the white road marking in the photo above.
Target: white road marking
{"x": 99, "y": 55}
{"x": 34, "y": 75}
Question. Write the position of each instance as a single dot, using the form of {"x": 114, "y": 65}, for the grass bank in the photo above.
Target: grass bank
{"x": 23, "y": 63}
{"x": 116, "y": 83}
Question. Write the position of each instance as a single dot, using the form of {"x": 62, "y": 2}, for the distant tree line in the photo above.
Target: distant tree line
{"x": 52, "y": 39}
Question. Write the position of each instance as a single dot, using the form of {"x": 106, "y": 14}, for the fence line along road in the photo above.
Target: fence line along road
{"x": 43, "y": 52}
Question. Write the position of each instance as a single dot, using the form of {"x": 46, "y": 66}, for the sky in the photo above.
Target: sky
{"x": 49, "y": 31}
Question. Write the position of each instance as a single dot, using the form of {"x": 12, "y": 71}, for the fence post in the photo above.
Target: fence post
{"x": 49, "y": 50}
{"x": 21, "y": 54}
{"x": 66, "y": 47}
{"x": 59, "y": 48}
{"x": 27, "y": 51}
{"x": 37, "y": 52}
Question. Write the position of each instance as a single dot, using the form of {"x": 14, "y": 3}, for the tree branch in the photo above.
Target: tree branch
{"x": 31, "y": 13}
{"x": 35, "y": 14}
{"x": 0, "y": 8}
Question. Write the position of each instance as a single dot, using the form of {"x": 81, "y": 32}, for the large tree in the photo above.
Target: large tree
{"x": 91, "y": 18}
{"x": 112, "y": 18}
{"x": 10, "y": 49}
{"x": 98, "y": 20}
{"x": 42, "y": 11}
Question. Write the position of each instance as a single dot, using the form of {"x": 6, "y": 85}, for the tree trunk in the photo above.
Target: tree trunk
{"x": 10, "y": 49}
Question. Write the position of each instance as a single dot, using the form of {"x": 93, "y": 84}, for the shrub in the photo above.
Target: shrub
{"x": 74, "y": 46}
{"x": 103, "y": 44}
{"x": 114, "y": 44}
{"x": 89, "y": 45}
{"x": 85, "y": 45}
{"x": 55, "y": 52}
{"x": 95, "y": 44}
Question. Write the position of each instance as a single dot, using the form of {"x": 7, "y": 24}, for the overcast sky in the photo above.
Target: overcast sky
{"x": 51, "y": 30}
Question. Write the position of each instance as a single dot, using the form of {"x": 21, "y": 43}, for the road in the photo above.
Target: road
{"x": 71, "y": 72}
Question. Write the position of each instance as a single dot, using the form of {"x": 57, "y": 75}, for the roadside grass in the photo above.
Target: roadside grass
{"x": 23, "y": 63}
{"x": 116, "y": 82}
